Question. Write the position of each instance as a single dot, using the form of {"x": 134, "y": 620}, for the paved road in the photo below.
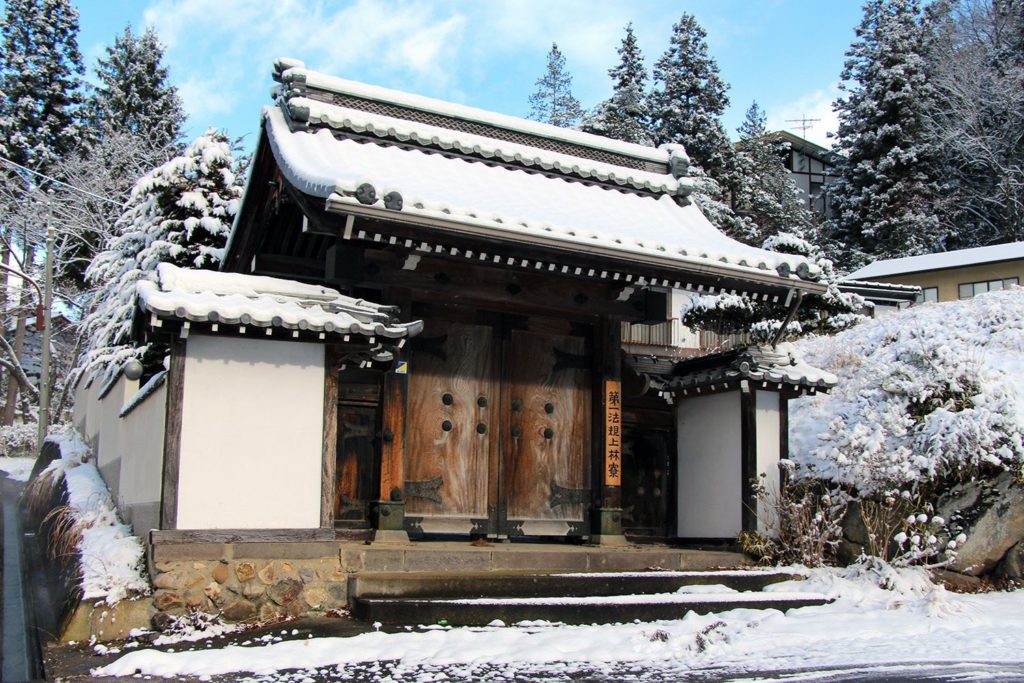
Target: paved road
{"x": 16, "y": 662}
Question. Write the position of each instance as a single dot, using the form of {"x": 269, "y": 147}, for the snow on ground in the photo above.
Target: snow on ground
{"x": 910, "y": 622}
{"x": 112, "y": 559}
{"x": 16, "y": 468}
{"x": 935, "y": 390}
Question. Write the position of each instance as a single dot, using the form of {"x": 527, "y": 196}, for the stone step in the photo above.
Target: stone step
{"x": 451, "y": 585}
{"x": 569, "y": 610}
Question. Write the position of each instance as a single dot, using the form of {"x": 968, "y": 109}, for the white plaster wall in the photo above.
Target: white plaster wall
{"x": 251, "y": 434}
{"x": 109, "y": 446}
{"x": 766, "y": 420}
{"x": 142, "y": 459}
{"x": 710, "y": 461}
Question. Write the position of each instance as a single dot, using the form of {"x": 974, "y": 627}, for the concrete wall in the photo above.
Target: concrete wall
{"x": 251, "y": 434}
{"x": 766, "y": 420}
{"x": 948, "y": 280}
{"x": 709, "y": 474}
{"x": 129, "y": 449}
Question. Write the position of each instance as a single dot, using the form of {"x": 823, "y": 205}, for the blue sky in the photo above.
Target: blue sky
{"x": 786, "y": 54}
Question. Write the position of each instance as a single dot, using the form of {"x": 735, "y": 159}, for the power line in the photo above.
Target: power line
{"x": 61, "y": 183}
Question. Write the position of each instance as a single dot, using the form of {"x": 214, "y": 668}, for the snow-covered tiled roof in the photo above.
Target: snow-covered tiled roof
{"x": 292, "y": 72}
{"x": 251, "y": 300}
{"x": 940, "y": 261}
{"x": 515, "y": 204}
{"x": 776, "y": 366}
{"x": 303, "y": 109}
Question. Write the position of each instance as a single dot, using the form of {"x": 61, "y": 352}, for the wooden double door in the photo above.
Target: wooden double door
{"x": 499, "y": 426}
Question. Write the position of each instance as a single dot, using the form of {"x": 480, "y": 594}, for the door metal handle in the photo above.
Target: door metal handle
{"x": 517, "y": 432}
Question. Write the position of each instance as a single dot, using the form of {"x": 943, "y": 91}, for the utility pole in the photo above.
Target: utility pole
{"x": 44, "y": 358}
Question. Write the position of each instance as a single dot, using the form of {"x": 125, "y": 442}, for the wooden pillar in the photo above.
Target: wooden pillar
{"x": 390, "y": 522}
{"x": 172, "y": 436}
{"x": 748, "y": 459}
{"x": 608, "y": 524}
{"x": 330, "y": 444}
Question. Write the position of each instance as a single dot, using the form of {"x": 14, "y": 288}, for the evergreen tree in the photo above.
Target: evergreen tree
{"x": 553, "y": 102}
{"x": 766, "y": 193}
{"x": 40, "y": 79}
{"x": 624, "y": 116}
{"x": 688, "y": 101}
{"x": 883, "y": 197}
{"x": 133, "y": 94}
{"x": 179, "y": 213}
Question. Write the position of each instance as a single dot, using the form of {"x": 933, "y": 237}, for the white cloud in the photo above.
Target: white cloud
{"x": 813, "y": 105}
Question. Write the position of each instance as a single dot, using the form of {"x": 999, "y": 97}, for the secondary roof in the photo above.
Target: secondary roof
{"x": 940, "y": 261}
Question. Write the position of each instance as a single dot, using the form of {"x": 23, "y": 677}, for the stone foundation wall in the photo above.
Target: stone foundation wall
{"x": 249, "y": 589}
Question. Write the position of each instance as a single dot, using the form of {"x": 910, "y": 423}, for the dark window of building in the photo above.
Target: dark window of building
{"x": 928, "y": 294}
{"x": 969, "y": 289}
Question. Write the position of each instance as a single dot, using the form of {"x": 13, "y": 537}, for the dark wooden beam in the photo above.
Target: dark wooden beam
{"x": 748, "y": 460}
{"x": 172, "y": 436}
{"x": 328, "y": 475}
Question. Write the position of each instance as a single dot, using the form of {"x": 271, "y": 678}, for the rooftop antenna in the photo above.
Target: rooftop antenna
{"x": 805, "y": 124}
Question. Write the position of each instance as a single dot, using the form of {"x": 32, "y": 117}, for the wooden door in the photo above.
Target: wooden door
{"x": 544, "y": 485}
{"x": 450, "y": 475}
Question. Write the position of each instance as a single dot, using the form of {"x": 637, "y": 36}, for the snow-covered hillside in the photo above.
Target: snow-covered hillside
{"x": 933, "y": 391}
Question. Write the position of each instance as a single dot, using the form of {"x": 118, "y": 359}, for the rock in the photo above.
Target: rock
{"x": 220, "y": 573}
{"x": 314, "y": 597}
{"x": 165, "y": 600}
{"x": 1012, "y": 566}
{"x": 854, "y": 541}
{"x": 178, "y": 579}
{"x": 307, "y": 575}
{"x": 239, "y": 610}
{"x": 198, "y": 565}
{"x": 285, "y": 591}
{"x": 166, "y": 566}
{"x": 955, "y": 581}
{"x": 270, "y": 612}
{"x": 245, "y": 571}
{"x": 253, "y": 589}
{"x": 162, "y": 621}
{"x": 991, "y": 514}
{"x": 338, "y": 591}
{"x": 267, "y": 574}
{"x": 213, "y": 592}
{"x": 194, "y": 598}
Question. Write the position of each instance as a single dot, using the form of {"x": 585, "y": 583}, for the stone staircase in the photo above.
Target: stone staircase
{"x": 479, "y": 598}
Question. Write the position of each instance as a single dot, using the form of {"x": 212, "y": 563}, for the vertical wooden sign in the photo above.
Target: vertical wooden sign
{"x": 612, "y": 433}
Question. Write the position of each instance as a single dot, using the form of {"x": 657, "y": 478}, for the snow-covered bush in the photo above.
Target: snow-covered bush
{"x": 180, "y": 213}
{"x": 105, "y": 561}
{"x": 17, "y": 439}
{"x": 935, "y": 393}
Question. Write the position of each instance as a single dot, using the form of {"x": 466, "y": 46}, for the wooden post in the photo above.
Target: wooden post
{"x": 609, "y": 514}
{"x": 391, "y": 505}
{"x": 172, "y": 436}
{"x": 330, "y": 444}
{"x": 748, "y": 459}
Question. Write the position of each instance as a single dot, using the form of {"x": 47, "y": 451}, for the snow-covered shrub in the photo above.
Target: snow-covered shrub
{"x": 17, "y": 439}
{"x": 805, "y": 518}
{"x": 931, "y": 394}
{"x": 103, "y": 559}
{"x": 903, "y": 529}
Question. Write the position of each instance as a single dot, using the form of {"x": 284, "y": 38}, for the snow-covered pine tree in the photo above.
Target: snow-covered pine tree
{"x": 624, "y": 116}
{"x": 553, "y": 101}
{"x": 179, "y": 213}
{"x": 975, "y": 64}
{"x": 40, "y": 81}
{"x": 766, "y": 194}
{"x": 133, "y": 93}
{"x": 737, "y": 314}
{"x": 883, "y": 197}
{"x": 688, "y": 100}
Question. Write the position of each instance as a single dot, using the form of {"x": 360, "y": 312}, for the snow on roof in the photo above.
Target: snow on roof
{"x": 235, "y": 299}
{"x": 941, "y": 260}
{"x": 295, "y": 71}
{"x": 779, "y": 365}
{"x": 360, "y": 121}
{"x": 514, "y": 203}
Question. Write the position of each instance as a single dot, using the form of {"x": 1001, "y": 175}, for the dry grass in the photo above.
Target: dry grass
{"x": 41, "y": 493}
{"x": 63, "y": 533}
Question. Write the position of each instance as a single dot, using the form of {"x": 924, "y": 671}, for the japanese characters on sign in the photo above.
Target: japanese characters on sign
{"x": 612, "y": 433}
